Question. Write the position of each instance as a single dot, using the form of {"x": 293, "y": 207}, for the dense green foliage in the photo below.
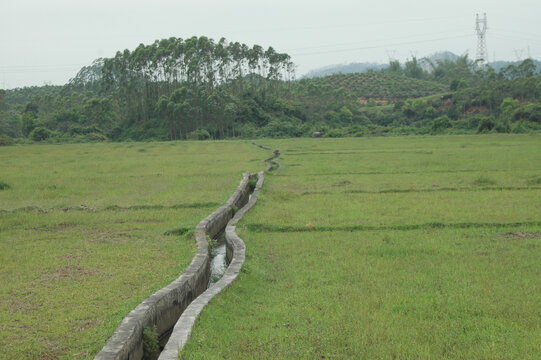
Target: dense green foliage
{"x": 197, "y": 88}
{"x": 379, "y": 86}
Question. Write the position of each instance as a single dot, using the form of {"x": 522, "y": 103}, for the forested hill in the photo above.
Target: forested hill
{"x": 380, "y": 86}
{"x": 198, "y": 88}
{"x": 171, "y": 89}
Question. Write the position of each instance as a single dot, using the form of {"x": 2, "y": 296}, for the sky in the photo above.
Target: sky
{"x": 48, "y": 41}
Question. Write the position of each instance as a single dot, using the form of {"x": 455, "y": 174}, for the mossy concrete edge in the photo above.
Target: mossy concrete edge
{"x": 163, "y": 308}
{"x": 236, "y": 252}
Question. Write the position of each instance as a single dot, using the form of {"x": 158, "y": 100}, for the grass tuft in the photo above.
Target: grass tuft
{"x": 484, "y": 181}
{"x": 534, "y": 181}
{"x": 151, "y": 344}
{"x": 253, "y": 184}
{"x": 177, "y": 232}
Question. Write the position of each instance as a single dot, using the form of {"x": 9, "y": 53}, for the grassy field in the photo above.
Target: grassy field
{"x": 89, "y": 230}
{"x": 388, "y": 248}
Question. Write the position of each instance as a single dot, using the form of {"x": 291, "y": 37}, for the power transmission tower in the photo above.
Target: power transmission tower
{"x": 481, "y": 28}
{"x": 391, "y": 55}
{"x": 519, "y": 54}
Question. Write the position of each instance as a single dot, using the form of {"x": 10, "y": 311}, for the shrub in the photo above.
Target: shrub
{"x": 199, "y": 134}
{"x": 519, "y": 128}
{"x": 94, "y": 136}
{"x": 335, "y": 133}
{"x": 5, "y": 140}
{"x": 502, "y": 127}
{"x": 474, "y": 122}
{"x": 4, "y": 185}
{"x": 282, "y": 127}
{"x": 486, "y": 124}
{"x": 150, "y": 342}
{"x": 430, "y": 112}
{"x": 40, "y": 133}
{"x": 441, "y": 123}
{"x": 247, "y": 131}
{"x": 253, "y": 184}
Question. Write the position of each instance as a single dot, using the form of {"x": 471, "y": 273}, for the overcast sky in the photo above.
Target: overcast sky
{"x": 48, "y": 41}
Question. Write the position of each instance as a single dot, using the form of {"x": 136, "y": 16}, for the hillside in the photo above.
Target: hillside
{"x": 380, "y": 86}
{"x": 345, "y": 69}
{"x": 500, "y": 65}
{"x": 236, "y": 91}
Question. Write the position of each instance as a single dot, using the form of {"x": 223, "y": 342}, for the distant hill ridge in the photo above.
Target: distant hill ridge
{"x": 362, "y": 67}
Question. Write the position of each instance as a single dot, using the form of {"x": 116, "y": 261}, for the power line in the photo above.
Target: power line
{"x": 375, "y": 40}
{"x": 29, "y": 67}
{"x": 515, "y": 38}
{"x": 380, "y": 46}
{"x": 356, "y": 25}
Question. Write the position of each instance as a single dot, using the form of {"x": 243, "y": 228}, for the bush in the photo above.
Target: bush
{"x": 96, "y": 137}
{"x": 40, "y": 133}
{"x": 84, "y": 130}
{"x": 502, "y": 127}
{"x": 199, "y": 134}
{"x": 5, "y": 140}
{"x": 4, "y": 186}
{"x": 430, "y": 113}
{"x": 282, "y": 128}
{"x": 486, "y": 124}
{"x": 247, "y": 131}
{"x": 440, "y": 124}
{"x": 474, "y": 122}
{"x": 336, "y": 133}
{"x": 151, "y": 345}
{"x": 519, "y": 128}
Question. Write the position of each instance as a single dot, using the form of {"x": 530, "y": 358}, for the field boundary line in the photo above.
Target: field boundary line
{"x": 420, "y": 190}
{"x": 266, "y": 228}
{"x": 84, "y": 208}
{"x": 457, "y": 171}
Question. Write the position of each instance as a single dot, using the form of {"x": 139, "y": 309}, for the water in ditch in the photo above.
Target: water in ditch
{"x": 218, "y": 260}
{"x": 218, "y": 257}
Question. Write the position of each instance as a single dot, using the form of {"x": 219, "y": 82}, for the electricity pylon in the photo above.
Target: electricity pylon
{"x": 481, "y": 28}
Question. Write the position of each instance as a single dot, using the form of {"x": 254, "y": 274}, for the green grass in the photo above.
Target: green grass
{"x": 377, "y": 295}
{"x": 88, "y": 231}
{"x": 405, "y": 248}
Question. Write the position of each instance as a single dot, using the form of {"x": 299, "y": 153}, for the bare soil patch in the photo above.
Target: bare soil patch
{"x": 522, "y": 235}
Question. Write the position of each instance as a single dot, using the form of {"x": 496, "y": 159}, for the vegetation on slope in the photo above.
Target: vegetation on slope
{"x": 379, "y": 86}
{"x": 197, "y": 88}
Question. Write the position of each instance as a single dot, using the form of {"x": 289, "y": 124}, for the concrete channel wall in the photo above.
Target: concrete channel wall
{"x": 236, "y": 251}
{"x": 270, "y": 161}
{"x": 163, "y": 308}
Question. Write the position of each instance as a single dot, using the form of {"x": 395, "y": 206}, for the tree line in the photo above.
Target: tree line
{"x": 197, "y": 88}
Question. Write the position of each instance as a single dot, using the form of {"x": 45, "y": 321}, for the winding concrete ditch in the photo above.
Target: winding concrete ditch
{"x": 171, "y": 312}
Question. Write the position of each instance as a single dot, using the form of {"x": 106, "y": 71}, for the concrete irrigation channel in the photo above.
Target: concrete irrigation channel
{"x": 169, "y": 314}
